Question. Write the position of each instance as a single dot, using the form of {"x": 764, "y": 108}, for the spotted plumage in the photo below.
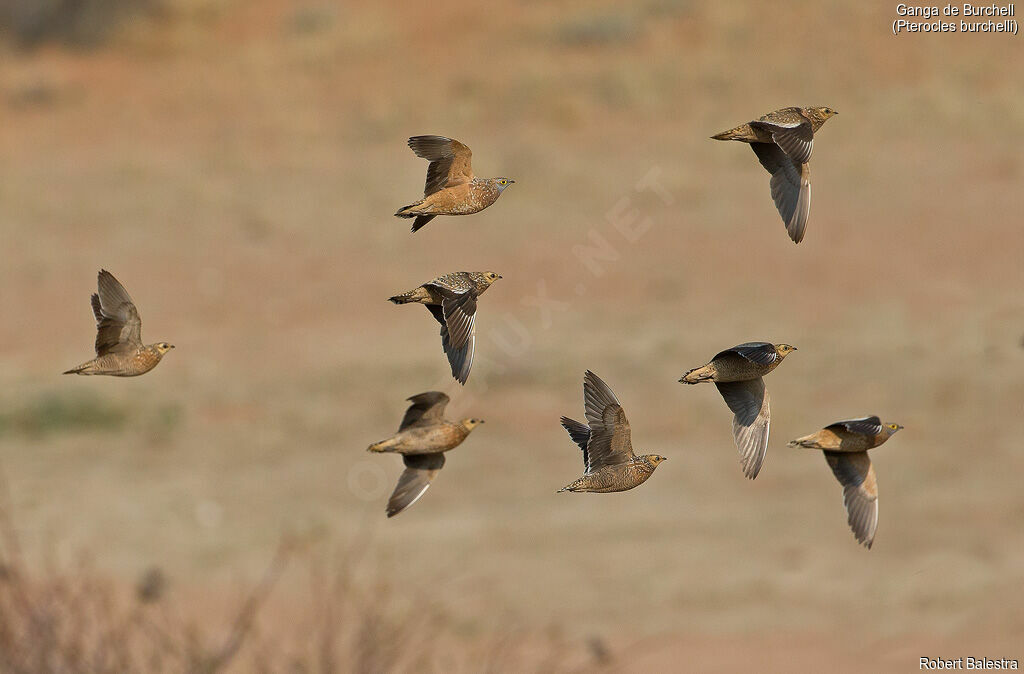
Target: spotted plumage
{"x": 845, "y": 445}
{"x": 738, "y": 372}
{"x": 422, "y": 438}
{"x": 782, "y": 141}
{"x": 451, "y": 187}
{"x": 119, "y": 348}
{"x": 608, "y": 459}
{"x": 452, "y": 300}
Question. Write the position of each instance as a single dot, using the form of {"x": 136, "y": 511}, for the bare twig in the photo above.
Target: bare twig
{"x": 247, "y": 614}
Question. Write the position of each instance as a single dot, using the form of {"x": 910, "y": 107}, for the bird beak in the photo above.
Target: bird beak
{"x": 510, "y": 181}
{"x": 500, "y": 276}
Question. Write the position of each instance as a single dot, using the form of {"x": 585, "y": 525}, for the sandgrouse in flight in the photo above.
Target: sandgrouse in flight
{"x": 119, "y": 348}
{"x": 451, "y": 187}
{"x": 608, "y": 459}
{"x": 846, "y": 445}
{"x": 422, "y": 439}
{"x": 737, "y": 373}
{"x": 451, "y": 299}
{"x": 782, "y": 141}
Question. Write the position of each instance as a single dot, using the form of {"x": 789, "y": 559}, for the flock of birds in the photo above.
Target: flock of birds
{"x": 782, "y": 141}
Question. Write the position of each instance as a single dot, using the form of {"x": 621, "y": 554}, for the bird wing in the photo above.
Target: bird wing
{"x": 761, "y": 353}
{"x": 427, "y": 409}
{"x": 450, "y": 161}
{"x": 457, "y": 316}
{"x": 421, "y": 221}
{"x": 870, "y": 426}
{"x": 420, "y": 470}
{"x": 794, "y": 136}
{"x": 118, "y": 326}
{"x": 860, "y": 492}
{"x": 580, "y": 434}
{"x": 790, "y": 187}
{"x": 609, "y": 429}
{"x": 751, "y": 421}
{"x": 454, "y": 282}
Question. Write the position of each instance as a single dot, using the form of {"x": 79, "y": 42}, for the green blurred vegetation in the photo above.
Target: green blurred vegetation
{"x": 597, "y": 29}
{"x": 51, "y": 413}
{"x": 622, "y": 25}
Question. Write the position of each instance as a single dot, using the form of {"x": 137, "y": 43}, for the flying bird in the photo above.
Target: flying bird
{"x": 451, "y": 187}
{"x": 738, "y": 372}
{"x": 846, "y": 445}
{"x": 422, "y": 439}
{"x": 608, "y": 459}
{"x": 119, "y": 348}
{"x": 452, "y": 299}
{"x": 782, "y": 141}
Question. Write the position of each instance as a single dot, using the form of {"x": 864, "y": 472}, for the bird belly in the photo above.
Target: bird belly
{"x": 620, "y": 477}
{"x": 122, "y": 365}
{"x": 458, "y": 200}
{"x": 429, "y": 440}
{"x": 737, "y": 368}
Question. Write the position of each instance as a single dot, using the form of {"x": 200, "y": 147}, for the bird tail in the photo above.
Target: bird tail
{"x": 407, "y": 211}
{"x": 411, "y": 211}
{"x": 411, "y": 296}
{"x": 698, "y": 374}
{"x": 742, "y": 132}
{"x": 807, "y": 441}
{"x": 572, "y": 486}
{"x": 382, "y": 446}
{"x": 84, "y": 368}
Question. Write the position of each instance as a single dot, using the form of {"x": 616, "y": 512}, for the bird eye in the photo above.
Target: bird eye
{"x": 503, "y": 182}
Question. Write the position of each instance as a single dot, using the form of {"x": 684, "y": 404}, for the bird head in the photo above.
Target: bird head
{"x": 820, "y": 113}
{"x": 501, "y": 183}
{"x": 163, "y": 347}
{"x": 654, "y": 459}
{"x": 470, "y": 424}
{"x": 892, "y": 428}
{"x": 486, "y": 277}
{"x": 784, "y": 349}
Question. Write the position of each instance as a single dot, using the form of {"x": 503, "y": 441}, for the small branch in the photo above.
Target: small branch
{"x": 247, "y": 614}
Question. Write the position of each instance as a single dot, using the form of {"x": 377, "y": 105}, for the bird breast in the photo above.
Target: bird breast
{"x": 145, "y": 360}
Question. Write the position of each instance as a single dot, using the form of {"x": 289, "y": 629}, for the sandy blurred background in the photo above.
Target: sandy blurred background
{"x": 236, "y": 165}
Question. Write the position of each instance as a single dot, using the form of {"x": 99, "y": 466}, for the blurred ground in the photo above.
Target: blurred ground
{"x": 236, "y": 166}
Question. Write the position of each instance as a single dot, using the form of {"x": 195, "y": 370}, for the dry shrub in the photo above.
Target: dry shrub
{"x": 78, "y": 621}
{"x": 76, "y": 23}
